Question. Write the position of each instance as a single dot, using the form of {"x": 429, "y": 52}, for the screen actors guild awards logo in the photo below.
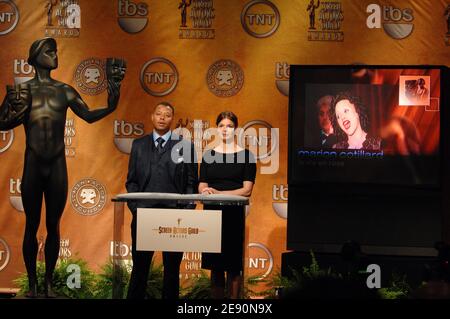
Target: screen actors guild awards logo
{"x": 260, "y": 18}
{"x": 447, "y": 19}
{"x": 9, "y": 16}
{"x": 6, "y": 140}
{"x": 63, "y": 18}
{"x": 325, "y": 21}
{"x": 159, "y": 77}
{"x": 132, "y": 17}
{"x": 90, "y": 76}
{"x": 5, "y": 254}
{"x": 88, "y": 197}
{"x": 69, "y": 135}
{"x": 225, "y": 78}
{"x": 64, "y": 249}
{"x": 396, "y": 23}
{"x": 202, "y": 16}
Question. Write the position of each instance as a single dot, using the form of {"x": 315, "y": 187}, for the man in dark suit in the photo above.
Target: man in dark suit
{"x": 164, "y": 163}
{"x": 327, "y": 137}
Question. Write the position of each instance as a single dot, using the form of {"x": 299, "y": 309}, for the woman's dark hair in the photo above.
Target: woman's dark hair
{"x": 360, "y": 109}
{"x": 227, "y": 115}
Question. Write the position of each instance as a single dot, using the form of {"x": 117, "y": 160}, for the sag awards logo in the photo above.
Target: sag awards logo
{"x": 396, "y": 23}
{"x": 90, "y": 76}
{"x": 63, "y": 18}
{"x": 225, "y": 78}
{"x": 328, "y": 25}
{"x": 282, "y": 77}
{"x": 9, "y": 16}
{"x": 6, "y": 140}
{"x": 125, "y": 133}
{"x": 280, "y": 197}
{"x": 133, "y": 18}
{"x": 260, "y": 260}
{"x": 5, "y": 254}
{"x": 201, "y": 13}
{"x": 69, "y": 137}
{"x": 447, "y": 19}
{"x": 191, "y": 265}
{"x": 260, "y": 18}
{"x": 22, "y": 71}
{"x": 159, "y": 77}
{"x": 88, "y": 197}
{"x": 15, "y": 194}
{"x": 325, "y": 21}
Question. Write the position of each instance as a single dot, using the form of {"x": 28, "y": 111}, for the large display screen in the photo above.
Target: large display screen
{"x": 370, "y": 125}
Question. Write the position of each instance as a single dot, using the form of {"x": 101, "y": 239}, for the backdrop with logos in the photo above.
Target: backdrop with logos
{"x": 204, "y": 57}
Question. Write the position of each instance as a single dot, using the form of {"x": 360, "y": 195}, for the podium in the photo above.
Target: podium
{"x": 170, "y": 198}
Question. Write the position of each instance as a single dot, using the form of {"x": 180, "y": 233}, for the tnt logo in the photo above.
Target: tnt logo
{"x": 6, "y": 140}
{"x": 159, "y": 77}
{"x": 5, "y": 254}
{"x": 262, "y": 140}
{"x": 9, "y": 16}
{"x": 396, "y": 23}
{"x": 260, "y": 260}
{"x": 260, "y": 18}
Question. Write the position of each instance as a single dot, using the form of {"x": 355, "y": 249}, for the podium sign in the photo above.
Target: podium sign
{"x": 161, "y": 229}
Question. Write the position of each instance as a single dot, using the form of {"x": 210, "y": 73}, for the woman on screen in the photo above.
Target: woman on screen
{"x": 350, "y": 119}
{"x": 227, "y": 169}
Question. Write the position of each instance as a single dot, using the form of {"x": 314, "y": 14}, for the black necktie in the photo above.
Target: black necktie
{"x": 159, "y": 146}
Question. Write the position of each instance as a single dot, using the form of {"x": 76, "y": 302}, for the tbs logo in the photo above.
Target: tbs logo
{"x": 22, "y": 71}
{"x": 15, "y": 194}
{"x": 396, "y": 23}
{"x": 124, "y": 134}
{"x": 132, "y": 17}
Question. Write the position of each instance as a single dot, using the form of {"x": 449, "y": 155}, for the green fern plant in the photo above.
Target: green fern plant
{"x": 398, "y": 288}
{"x": 60, "y": 279}
{"x": 104, "y": 283}
{"x": 197, "y": 287}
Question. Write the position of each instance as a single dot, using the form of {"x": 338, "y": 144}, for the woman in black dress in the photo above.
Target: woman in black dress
{"x": 227, "y": 169}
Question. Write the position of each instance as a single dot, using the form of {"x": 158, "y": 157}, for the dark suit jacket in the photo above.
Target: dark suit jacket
{"x": 183, "y": 171}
